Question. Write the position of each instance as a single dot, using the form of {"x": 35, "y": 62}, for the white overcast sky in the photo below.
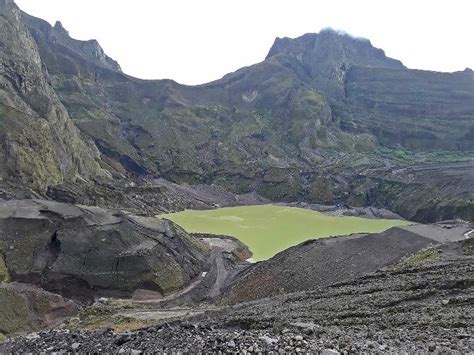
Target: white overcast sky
{"x": 196, "y": 41}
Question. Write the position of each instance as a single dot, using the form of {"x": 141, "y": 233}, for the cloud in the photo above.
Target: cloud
{"x": 343, "y": 33}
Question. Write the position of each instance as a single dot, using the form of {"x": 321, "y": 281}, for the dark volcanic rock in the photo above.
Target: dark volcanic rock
{"x": 427, "y": 192}
{"x": 413, "y": 110}
{"x": 150, "y": 197}
{"x": 81, "y": 251}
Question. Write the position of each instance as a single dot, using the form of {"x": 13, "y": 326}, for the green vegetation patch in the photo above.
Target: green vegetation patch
{"x": 423, "y": 256}
{"x": 468, "y": 246}
{"x": 14, "y": 311}
{"x": 2, "y": 112}
{"x": 3, "y": 270}
{"x": 99, "y": 316}
{"x": 269, "y": 229}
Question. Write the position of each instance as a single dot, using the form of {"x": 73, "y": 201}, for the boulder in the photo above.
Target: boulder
{"x": 83, "y": 252}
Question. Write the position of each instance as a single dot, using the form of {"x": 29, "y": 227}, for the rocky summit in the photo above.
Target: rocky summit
{"x": 91, "y": 159}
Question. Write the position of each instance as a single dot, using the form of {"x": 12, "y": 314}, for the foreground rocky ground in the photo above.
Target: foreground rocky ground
{"x": 424, "y": 303}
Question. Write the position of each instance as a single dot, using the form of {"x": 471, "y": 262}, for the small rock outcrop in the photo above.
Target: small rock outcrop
{"x": 90, "y": 50}
{"x": 28, "y": 308}
{"x": 82, "y": 252}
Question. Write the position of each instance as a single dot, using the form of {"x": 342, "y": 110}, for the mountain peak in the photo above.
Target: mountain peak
{"x": 58, "y": 26}
{"x": 324, "y": 58}
{"x": 330, "y": 47}
{"x": 90, "y": 50}
{"x": 94, "y": 50}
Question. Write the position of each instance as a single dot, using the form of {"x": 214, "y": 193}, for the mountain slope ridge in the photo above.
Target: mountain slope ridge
{"x": 315, "y": 121}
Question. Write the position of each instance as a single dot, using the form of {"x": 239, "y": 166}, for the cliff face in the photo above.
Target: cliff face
{"x": 414, "y": 109}
{"x": 40, "y": 144}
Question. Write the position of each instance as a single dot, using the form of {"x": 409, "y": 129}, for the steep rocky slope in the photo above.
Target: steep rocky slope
{"x": 318, "y": 263}
{"x": 314, "y": 121}
{"x": 40, "y": 145}
{"x": 419, "y": 110}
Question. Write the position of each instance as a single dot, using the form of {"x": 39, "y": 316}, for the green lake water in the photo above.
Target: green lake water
{"x": 269, "y": 229}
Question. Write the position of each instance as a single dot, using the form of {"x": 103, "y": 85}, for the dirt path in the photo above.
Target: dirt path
{"x": 195, "y": 298}
{"x": 467, "y": 235}
{"x": 441, "y": 232}
{"x": 222, "y": 274}
{"x": 159, "y": 309}
{"x": 172, "y": 296}
{"x": 160, "y": 315}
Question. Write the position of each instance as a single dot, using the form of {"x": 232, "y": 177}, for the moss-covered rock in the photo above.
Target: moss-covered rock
{"x": 14, "y": 311}
{"x": 28, "y": 151}
{"x": 423, "y": 256}
{"x": 3, "y": 270}
{"x": 320, "y": 191}
{"x": 27, "y": 308}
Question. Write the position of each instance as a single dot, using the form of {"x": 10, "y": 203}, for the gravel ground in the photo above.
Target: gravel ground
{"x": 425, "y": 306}
{"x": 323, "y": 262}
